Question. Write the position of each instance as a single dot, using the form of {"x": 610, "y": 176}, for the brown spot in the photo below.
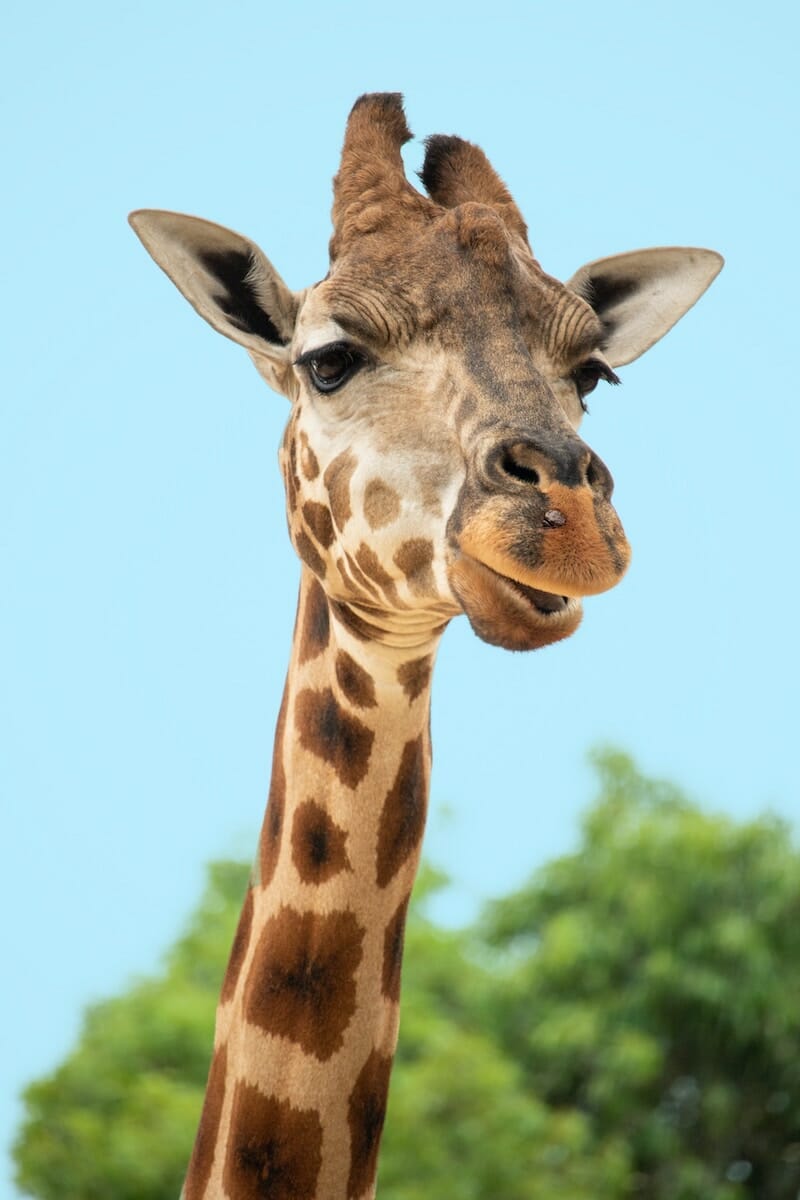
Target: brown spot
{"x": 270, "y": 841}
{"x": 403, "y": 817}
{"x": 308, "y": 552}
{"x": 318, "y": 844}
{"x": 415, "y": 675}
{"x": 381, "y": 504}
{"x": 356, "y": 683}
{"x": 366, "y": 1111}
{"x": 302, "y": 983}
{"x": 274, "y": 1150}
{"x": 308, "y": 459}
{"x": 337, "y": 480}
{"x": 327, "y": 730}
{"x": 239, "y": 947}
{"x": 202, "y": 1159}
{"x": 316, "y": 622}
{"x": 318, "y": 519}
{"x": 357, "y": 578}
{"x": 295, "y": 478}
{"x": 393, "y": 952}
{"x": 415, "y": 560}
{"x": 370, "y": 564}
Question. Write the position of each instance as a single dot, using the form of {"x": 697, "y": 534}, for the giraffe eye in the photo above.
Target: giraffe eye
{"x": 331, "y": 366}
{"x": 587, "y": 376}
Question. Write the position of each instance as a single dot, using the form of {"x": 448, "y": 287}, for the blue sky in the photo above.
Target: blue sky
{"x": 148, "y": 586}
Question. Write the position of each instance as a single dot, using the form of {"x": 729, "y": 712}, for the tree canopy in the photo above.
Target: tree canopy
{"x": 623, "y": 1027}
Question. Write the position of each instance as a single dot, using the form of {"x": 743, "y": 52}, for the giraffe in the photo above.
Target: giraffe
{"x": 437, "y": 377}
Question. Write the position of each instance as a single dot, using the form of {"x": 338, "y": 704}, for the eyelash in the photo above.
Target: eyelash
{"x": 596, "y": 371}
{"x": 350, "y": 361}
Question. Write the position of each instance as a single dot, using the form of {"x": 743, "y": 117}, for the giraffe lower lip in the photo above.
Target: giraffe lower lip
{"x": 545, "y": 602}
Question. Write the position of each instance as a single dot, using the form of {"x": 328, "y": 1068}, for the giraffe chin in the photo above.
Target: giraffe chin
{"x": 506, "y": 613}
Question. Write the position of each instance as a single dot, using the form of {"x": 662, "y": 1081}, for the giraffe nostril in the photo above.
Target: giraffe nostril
{"x": 513, "y": 464}
{"x": 598, "y": 477}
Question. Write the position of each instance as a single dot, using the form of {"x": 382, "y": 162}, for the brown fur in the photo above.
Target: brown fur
{"x": 356, "y": 684}
{"x": 334, "y": 735}
{"x": 316, "y": 623}
{"x": 393, "y": 951}
{"x": 302, "y": 983}
{"x": 415, "y": 676}
{"x": 381, "y": 504}
{"x": 415, "y": 560}
{"x": 271, "y": 830}
{"x": 337, "y": 480}
{"x": 318, "y": 844}
{"x": 274, "y": 1150}
{"x": 318, "y": 519}
{"x": 239, "y": 948}
{"x": 367, "y": 1111}
{"x": 403, "y": 814}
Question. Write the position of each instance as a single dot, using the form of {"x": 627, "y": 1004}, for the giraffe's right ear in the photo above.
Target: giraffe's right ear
{"x": 230, "y": 282}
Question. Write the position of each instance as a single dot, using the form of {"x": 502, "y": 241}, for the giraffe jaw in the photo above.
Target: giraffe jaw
{"x": 510, "y": 614}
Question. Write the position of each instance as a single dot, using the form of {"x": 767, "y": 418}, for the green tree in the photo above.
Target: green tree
{"x": 652, "y": 985}
{"x": 624, "y": 1027}
{"x": 117, "y": 1118}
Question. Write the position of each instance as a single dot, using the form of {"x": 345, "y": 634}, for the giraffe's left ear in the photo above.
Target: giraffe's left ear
{"x": 229, "y": 281}
{"x": 639, "y": 296}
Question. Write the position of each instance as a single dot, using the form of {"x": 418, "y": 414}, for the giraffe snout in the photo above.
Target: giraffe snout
{"x": 537, "y": 509}
{"x": 518, "y": 462}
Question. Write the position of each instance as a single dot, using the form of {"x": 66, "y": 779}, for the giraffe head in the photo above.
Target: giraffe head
{"x": 438, "y": 378}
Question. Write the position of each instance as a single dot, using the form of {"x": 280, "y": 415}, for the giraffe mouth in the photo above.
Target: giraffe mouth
{"x": 508, "y": 613}
{"x": 543, "y": 602}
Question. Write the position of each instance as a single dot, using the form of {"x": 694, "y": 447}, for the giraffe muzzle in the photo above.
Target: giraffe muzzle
{"x": 537, "y": 510}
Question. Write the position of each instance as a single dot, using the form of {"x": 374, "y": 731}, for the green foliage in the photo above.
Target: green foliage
{"x": 117, "y": 1118}
{"x": 651, "y": 983}
{"x": 624, "y": 1027}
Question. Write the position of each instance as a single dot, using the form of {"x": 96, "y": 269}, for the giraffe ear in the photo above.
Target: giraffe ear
{"x": 639, "y": 296}
{"x": 230, "y": 282}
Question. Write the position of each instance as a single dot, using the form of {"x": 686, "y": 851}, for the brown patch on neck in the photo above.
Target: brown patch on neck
{"x": 239, "y": 948}
{"x": 415, "y": 675}
{"x": 357, "y": 685}
{"x": 381, "y": 504}
{"x": 402, "y": 820}
{"x": 270, "y": 842}
{"x": 393, "y": 952}
{"x": 366, "y": 1114}
{"x": 308, "y": 459}
{"x": 274, "y": 1150}
{"x": 334, "y": 735}
{"x": 316, "y": 622}
{"x": 202, "y": 1160}
{"x": 337, "y": 479}
{"x": 318, "y": 844}
{"x": 302, "y": 982}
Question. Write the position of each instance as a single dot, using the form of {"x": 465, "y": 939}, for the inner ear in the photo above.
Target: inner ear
{"x": 238, "y": 298}
{"x": 639, "y": 296}
{"x": 224, "y": 276}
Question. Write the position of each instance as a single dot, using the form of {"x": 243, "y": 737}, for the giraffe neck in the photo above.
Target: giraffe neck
{"x": 308, "y": 1019}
